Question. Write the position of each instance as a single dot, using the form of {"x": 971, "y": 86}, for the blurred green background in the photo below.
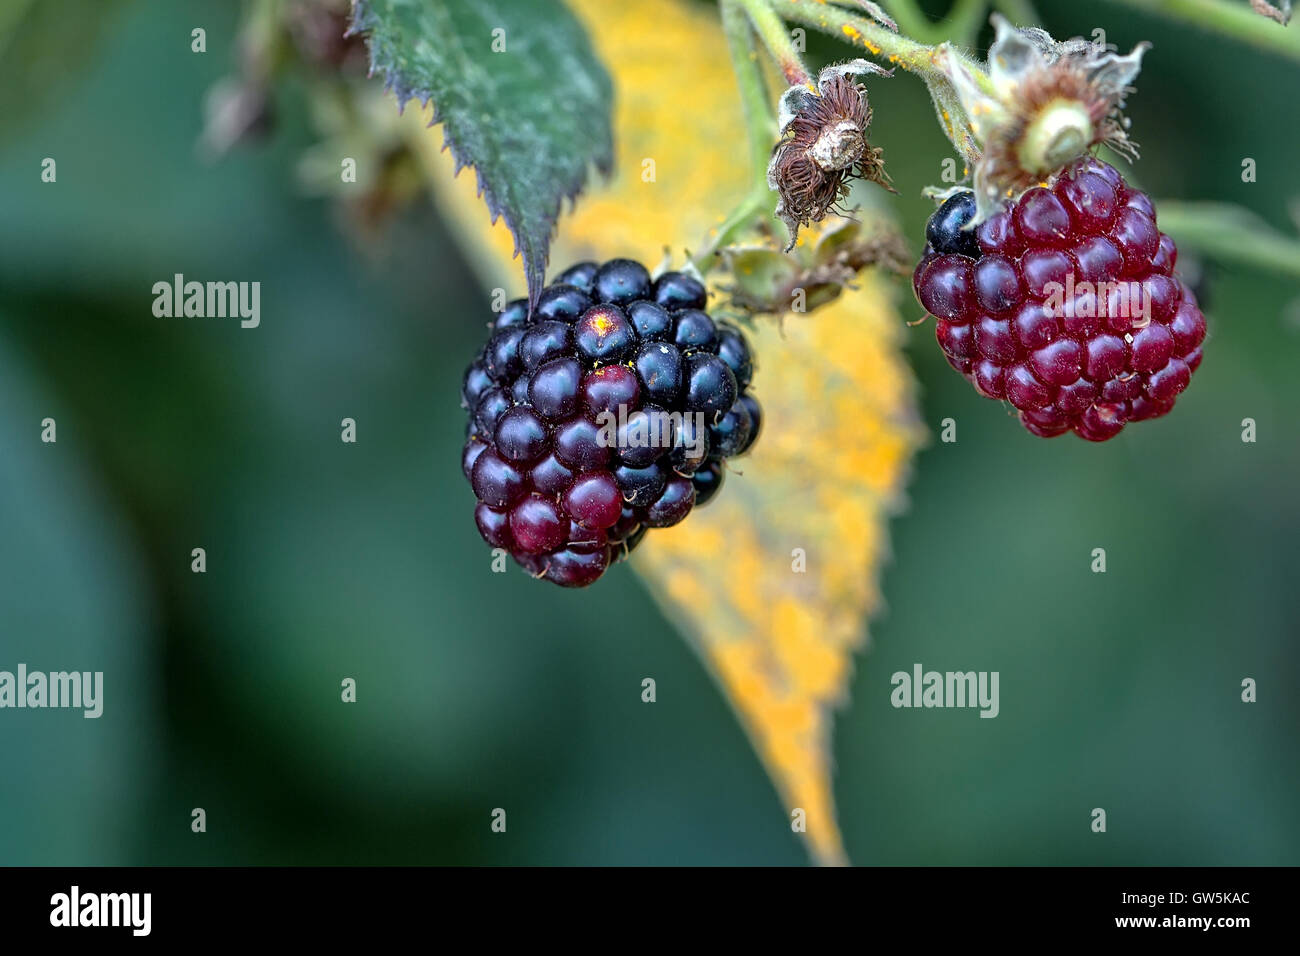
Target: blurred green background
{"x": 328, "y": 560}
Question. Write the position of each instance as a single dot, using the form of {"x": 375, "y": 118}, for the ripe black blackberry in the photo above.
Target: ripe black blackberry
{"x": 609, "y": 411}
{"x": 1065, "y": 303}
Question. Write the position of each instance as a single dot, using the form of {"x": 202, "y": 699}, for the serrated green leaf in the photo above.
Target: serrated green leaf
{"x": 521, "y": 96}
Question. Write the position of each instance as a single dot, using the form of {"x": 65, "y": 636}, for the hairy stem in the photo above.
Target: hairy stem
{"x": 922, "y": 59}
{"x": 778, "y": 41}
{"x": 914, "y": 57}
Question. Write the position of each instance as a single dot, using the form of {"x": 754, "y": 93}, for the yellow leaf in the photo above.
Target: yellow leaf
{"x": 839, "y": 430}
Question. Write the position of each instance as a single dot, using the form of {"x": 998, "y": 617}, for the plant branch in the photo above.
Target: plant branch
{"x": 742, "y": 19}
{"x": 960, "y": 26}
{"x": 1019, "y": 12}
{"x": 1230, "y": 233}
{"x": 1227, "y": 19}
{"x": 927, "y": 62}
{"x": 914, "y": 57}
{"x": 963, "y": 22}
{"x": 778, "y": 41}
{"x": 759, "y": 124}
{"x": 911, "y": 21}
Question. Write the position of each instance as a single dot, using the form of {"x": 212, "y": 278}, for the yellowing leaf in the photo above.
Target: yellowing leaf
{"x": 774, "y": 580}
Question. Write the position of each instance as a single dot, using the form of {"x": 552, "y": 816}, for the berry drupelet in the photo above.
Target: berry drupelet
{"x": 610, "y": 410}
{"x": 1065, "y": 303}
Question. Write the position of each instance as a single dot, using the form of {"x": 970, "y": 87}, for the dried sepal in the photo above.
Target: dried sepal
{"x": 823, "y": 145}
{"x": 1042, "y": 104}
{"x": 874, "y": 11}
{"x": 1279, "y": 12}
{"x": 769, "y": 282}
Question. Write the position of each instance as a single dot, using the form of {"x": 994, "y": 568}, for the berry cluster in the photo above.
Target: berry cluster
{"x": 1065, "y": 303}
{"x": 608, "y": 411}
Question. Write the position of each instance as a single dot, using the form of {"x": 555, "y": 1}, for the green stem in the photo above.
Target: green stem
{"x": 948, "y": 111}
{"x": 760, "y": 125}
{"x": 925, "y": 61}
{"x": 1228, "y": 19}
{"x": 911, "y": 21}
{"x": 960, "y": 26}
{"x": 778, "y": 41}
{"x": 1019, "y": 12}
{"x": 742, "y": 18}
{"x": 912, "y": 56}
{"x": 962, "y": 23}
{"x": 744, "y": 217}
{"x": 1229, "y": 233}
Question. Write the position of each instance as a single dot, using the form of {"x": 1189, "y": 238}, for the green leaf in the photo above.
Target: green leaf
{"x": 521, "y": 96}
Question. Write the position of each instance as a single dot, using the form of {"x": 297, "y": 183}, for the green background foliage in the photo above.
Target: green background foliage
{"x": 328, "y": 560}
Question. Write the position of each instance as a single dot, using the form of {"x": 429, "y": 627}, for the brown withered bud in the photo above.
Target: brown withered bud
{"x": 824, "y": 146}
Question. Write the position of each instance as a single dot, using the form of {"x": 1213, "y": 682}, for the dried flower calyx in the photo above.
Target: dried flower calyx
{"x": 1042, "y": 105}
{"x": 834, "y": 253}
{"x": 824, "y": 145}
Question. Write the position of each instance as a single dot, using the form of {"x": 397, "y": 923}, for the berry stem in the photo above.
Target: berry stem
{"x": 922, "y": 59}
{"x": 952, "y": 119}
{"x": 742, "y": 218}
{"x": 914, "y": 57}
{"x": 761, "y": 127}
{"x": 759, "y": 121}
{"x": 778, "y": 41}
{"x": 742, "y": 19}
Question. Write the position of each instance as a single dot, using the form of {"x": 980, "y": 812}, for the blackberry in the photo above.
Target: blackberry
{"x": 1065, "y": 303}
{"x": 610, "y": 410}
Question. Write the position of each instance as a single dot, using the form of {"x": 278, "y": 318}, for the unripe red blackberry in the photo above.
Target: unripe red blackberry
{"x": 1065, "y": 304}
{"x": 608, "y": 411}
